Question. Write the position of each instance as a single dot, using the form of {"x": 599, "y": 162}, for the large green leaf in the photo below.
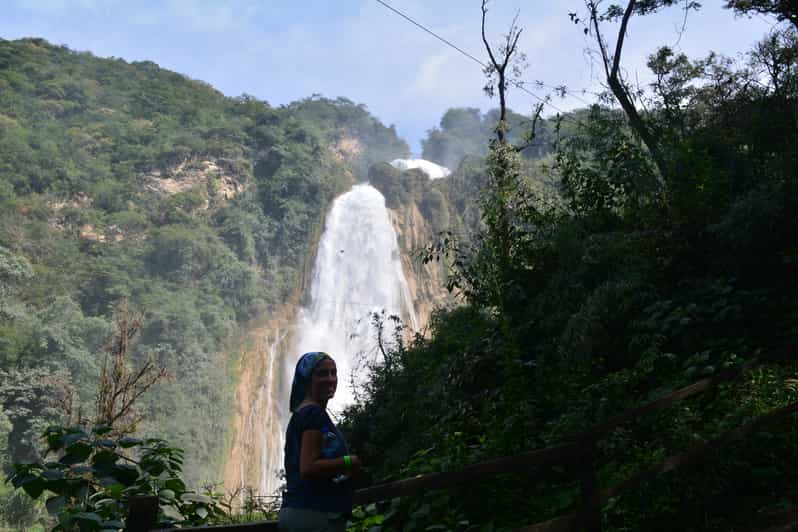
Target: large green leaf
{"x": 172, "y": 512}
{"x": 55, "y": 504}
{"x": 195, "y": 497}
{"x": 125, "y": 474}
{"x": 52, "y": 474}
{"x": 76, "y": 453}
{"x": 81, "y": 469}
{"x": 19, "y": 478}
{"x": 100, "y": 430}
{"x": 129, "y": 442}
{"x": 176, "y": 485}
{"x": 55, "y": 441}
{"x": 104, "y": 457}
{"x": 107, "y": 481}
{"x": 73, "y": 437}
{"x": 74, "y": 487}
{"x": 34, "y": 487}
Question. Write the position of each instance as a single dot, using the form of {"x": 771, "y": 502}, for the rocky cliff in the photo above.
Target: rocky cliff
{"x": 427, "y": 282}
{"x": 253, "y": 454}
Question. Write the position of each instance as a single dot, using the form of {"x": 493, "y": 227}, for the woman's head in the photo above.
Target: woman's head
{"x": 315, "y": 378}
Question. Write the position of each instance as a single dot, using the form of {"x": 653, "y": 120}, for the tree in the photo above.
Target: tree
{"x": 776, "y": 56}
{"x": 507, "y": 56}
{"x": 611, "y": 62}
{"x": 781, "y": 9}
{"x": 119, "y": 387}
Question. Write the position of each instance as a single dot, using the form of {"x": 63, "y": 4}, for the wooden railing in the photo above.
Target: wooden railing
{"x": 579, "y": 450}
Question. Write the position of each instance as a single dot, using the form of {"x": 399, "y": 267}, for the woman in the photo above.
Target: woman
{"x": 318, "y": 466}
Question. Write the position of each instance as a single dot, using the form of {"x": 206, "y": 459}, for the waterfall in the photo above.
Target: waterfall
{"x": 271, "y": 457}
{"x": 433, "y": 170}
{"x": 358, "y": 271}
{"x": 263, "y": 428}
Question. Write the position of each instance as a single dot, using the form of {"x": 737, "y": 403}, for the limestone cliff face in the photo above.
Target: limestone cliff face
{"x": 418, "y": 211}
{"x": 255, "y": 448}
{"x": 427, "y": 282}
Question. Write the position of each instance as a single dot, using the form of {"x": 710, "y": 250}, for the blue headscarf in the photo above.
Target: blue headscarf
{"x": 304, "y": 369}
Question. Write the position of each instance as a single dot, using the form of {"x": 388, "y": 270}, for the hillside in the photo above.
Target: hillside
{"x": 663, "y": 262}
{"x": 618, "y": 258}
{"x": 127, "y": 181}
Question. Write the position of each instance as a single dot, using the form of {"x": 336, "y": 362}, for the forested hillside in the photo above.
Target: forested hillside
{"x": 124, "y": 181}
{"x": 620, "y": 253}
{"x": 669, "y": 257}
{"x": 467, "y": 131}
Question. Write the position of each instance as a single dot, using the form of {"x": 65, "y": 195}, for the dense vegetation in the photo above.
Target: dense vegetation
{"x": 664, "y": 258}
{"x": 648, "y": 274}
{"x": 467, "y": 132}
{"x": 126, "y": 181}
{"x": 341, "y": 120}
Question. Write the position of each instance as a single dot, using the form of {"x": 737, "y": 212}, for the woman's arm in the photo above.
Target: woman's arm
{"x": 312, "y": 466}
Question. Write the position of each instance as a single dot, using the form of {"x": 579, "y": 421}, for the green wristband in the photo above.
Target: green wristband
{"x": 348, "y": 461}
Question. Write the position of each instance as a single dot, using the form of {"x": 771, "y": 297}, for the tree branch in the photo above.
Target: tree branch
{"x": 616, "y": 62}
{"x": 619, "y": 89}
{"x": 484, "y": 37}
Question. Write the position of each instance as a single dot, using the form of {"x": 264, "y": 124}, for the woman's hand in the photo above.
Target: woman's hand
{"x": 354, "y": 470}
{"x": 312, "y": 466}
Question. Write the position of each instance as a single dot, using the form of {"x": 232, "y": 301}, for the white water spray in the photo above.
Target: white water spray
{"x": 266, "y": 433}
{"x": 358, "y": 271}
{"x": 433, "y": 170}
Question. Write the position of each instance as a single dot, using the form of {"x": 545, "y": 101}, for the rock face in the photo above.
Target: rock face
{"x": 347, "y": 149}
{"x": 427, "y": 282}
{"x": 255, "y": 449}
{"x": 217, "y": 176}
{"x": 419, "y": 211}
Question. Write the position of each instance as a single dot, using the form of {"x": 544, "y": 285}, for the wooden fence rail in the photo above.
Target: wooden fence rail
{"x": 581, "y": 449}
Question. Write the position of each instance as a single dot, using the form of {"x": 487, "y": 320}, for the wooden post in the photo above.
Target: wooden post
{"x": 142, "y": 513}
{"x": 591, "y": 514}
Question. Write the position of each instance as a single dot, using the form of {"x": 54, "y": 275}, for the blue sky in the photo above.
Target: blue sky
{"x": 284, "y": 50}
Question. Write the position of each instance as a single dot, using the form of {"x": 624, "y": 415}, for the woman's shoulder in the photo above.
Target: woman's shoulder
{"x": 308, "y": 413}
{"x": 308, "y": 409}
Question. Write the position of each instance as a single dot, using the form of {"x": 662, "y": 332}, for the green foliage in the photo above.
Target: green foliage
{"x": 14, "y": 270}
{"x": 125, "y": 180}
{"x": 633, "y": 283}
{"x": 91, "y": 477}
{"x": 467, "y": 132}
{"x": 341, "y": 120}
{"x": 781, "y": 9}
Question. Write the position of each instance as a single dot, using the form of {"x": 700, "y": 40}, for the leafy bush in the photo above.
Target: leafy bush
{"x": 92, "y": 475}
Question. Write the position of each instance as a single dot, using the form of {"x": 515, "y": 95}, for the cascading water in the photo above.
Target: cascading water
{"x": 358, "y": 271}
{"x": 263, "y": 427}
{"x": 433, "y": 170}
{"x": 271, "y": 458}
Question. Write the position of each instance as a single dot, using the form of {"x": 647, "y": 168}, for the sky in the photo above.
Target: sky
{"x": 284, "y": 50}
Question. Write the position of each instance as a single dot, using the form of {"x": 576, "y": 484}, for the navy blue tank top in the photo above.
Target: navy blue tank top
{"x": 325, "y": 495}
